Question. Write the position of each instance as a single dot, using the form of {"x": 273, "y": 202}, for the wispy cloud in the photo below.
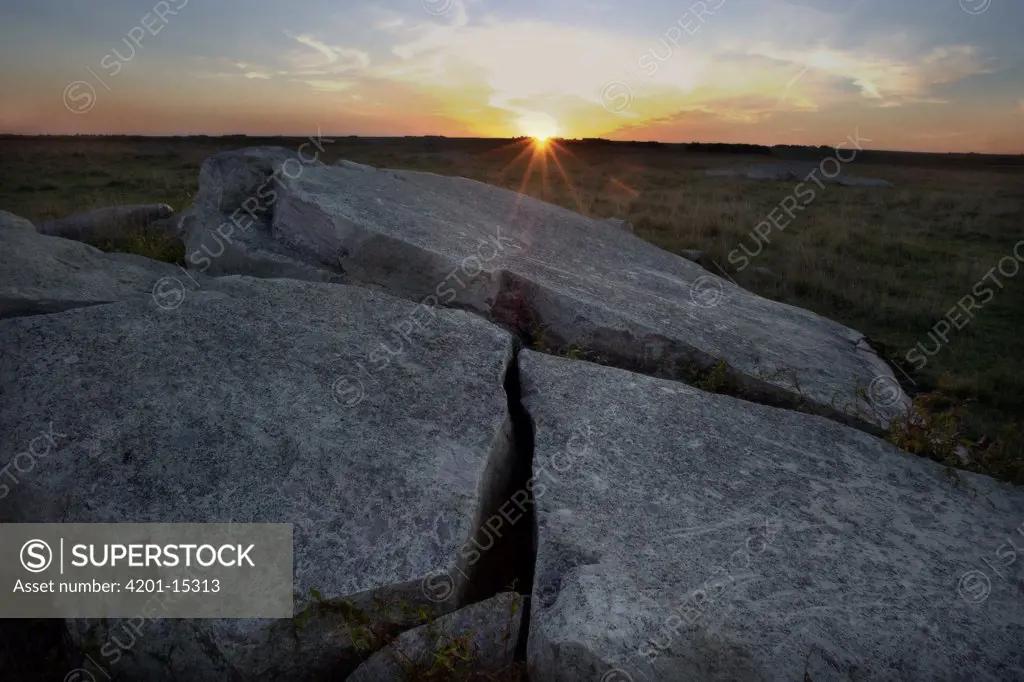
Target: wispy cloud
{"x": 326, "y": 85}
{"x": 327, "y": 58}
{"x": 885, "y": 77}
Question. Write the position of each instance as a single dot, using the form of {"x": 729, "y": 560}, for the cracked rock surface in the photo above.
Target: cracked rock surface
{"x": 240, "y": 406}
{"x": 539, "y": 268}
{"x": 669, "y": 532}
{"x": 689, "y": 536}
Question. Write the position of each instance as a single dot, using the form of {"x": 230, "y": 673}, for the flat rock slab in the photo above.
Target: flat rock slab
{"x": 260, "y": 401}
{"x": 474, "y": 643}
{"x": 576, "y": 282}
{"x": 42, "y": 274}
{"x": 689, "y": 536}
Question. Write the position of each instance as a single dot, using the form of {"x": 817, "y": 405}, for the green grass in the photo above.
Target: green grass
{"x": 449, "y": 655}
{"x": 887, "y": 262}
{"x": 157, "y": 246}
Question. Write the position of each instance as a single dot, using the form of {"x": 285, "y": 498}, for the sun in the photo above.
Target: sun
{"x": 540, "y": 140}
{"x": 540, "y": 127}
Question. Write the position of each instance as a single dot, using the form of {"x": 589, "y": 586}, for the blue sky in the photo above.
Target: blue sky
{"x": 942, "y": 75}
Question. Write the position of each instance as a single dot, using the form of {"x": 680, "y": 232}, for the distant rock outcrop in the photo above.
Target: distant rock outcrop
{"x": 106, "y": 222}
{"x": 795, "y": 172}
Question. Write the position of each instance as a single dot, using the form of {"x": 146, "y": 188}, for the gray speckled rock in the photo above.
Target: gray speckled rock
{"x": 355, "y": 166}
{"x": 485, "y": 632}
{"x": 106, "y": 221}
{"x": 260, "y": 401}
{"x": 693, "y": 536}
{"x": 534, "y": 266}
{"x": 9, "y": 221}
{"x": 620, "y": 224}
{"x": 42, "y": 274}
{"x": 227, "y": 230}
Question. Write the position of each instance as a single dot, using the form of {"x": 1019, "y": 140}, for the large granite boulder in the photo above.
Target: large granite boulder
{"x": 43, "y": 274}
{"x": 474, "y": 643}
{"x": 319, "y": 405}
{"x": 227, "y": 230}
{"x": 568, "y": 281}
{"x": 689, "y": 536}
{"x": 107, "y": 222}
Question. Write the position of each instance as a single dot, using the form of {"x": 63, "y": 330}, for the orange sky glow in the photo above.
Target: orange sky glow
{"x": 754, "y": 71}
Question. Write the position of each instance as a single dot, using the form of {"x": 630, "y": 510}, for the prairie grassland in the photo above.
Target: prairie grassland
{"x": 889, "y": 262}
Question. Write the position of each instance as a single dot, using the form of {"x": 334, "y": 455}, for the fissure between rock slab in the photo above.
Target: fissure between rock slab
{"x": 515, "y": 310}
{"x": 652, "y": 354}
{"x": 502, "y": 547}
{"x": 501, "y": 554}
{"x": 525, "y": 539}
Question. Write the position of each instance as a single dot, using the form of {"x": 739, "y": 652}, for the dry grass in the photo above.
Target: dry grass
{"x": 888, "y": 262}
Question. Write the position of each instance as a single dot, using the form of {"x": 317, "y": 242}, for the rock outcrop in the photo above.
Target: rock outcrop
{"x": 558, "y": 278}
{"x": 344, "y": 355}
{"x": 689, "y": 536}
{"x": 279, "y": 401}
{"x": 227, "y": 231}
{"x": 43, "y": 274}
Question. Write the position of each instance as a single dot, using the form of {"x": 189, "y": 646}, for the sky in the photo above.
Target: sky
{"x": 927, "y": 75}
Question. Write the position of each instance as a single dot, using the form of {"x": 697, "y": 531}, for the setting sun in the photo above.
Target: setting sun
{"x": 540, "y": 127}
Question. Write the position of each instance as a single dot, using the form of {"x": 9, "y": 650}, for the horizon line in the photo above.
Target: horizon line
{"x": 510, "y": 139}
